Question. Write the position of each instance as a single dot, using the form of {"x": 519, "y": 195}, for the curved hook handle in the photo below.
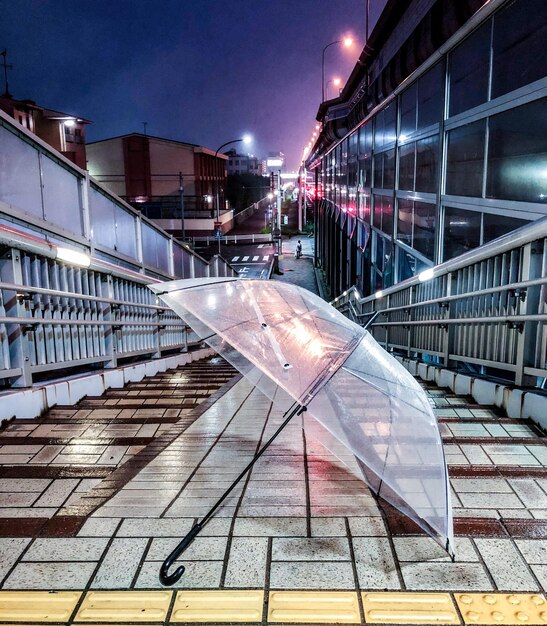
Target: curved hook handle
{"x": 170, "y": 579}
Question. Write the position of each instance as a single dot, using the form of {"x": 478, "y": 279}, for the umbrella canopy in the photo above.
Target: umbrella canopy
{"x": 295, "y": 347}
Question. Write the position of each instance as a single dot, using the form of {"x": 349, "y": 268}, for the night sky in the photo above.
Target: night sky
{"x": 202, "y": 71}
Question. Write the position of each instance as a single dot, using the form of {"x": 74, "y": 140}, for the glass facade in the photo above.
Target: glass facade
{"x": 454, "y": 160}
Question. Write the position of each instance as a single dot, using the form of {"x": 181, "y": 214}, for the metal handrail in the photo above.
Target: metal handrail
{"x": 502, "y": 325}
{"x": 79, "y": 296}
{"x": 48, "y": 321}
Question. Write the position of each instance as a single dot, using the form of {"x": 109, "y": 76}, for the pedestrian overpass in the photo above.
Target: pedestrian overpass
{"x": 126, "y": 431}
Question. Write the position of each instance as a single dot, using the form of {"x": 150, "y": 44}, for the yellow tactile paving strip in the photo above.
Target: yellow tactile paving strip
{"x": 502, "y": 608}
{"x": 409, "y": 608}
{"x": 37, "y": 606}
{"x": 124, "y": 606}
{"x": 319, "y": 607}
{"x": 287, "y": 607}
{"x": 218, "y": 606}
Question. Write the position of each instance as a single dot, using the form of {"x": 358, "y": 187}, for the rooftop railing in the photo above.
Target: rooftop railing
{"x": 485, "y": 310}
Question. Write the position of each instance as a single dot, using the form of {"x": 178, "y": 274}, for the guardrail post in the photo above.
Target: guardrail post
{"x": 450, "y": 329}
{"x": 521, "y": 307}
{"x": 109, "y": 315}
{"x": 11, "y": 272}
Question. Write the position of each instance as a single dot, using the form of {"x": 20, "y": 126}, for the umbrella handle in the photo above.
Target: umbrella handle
{"x": 170, "y": 579}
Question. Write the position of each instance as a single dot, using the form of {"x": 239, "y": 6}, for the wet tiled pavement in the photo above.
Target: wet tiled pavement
{"x": 94, "y": 497}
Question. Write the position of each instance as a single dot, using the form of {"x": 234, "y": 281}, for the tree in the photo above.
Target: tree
{"x": 242, "y": 190}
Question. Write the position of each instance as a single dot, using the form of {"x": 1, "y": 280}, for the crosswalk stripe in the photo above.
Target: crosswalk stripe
{"x": 235, "y": 259}
{"x": 266, "y": 257}
{"x": 245, "y": 258}
{"x": 255, "y": 258}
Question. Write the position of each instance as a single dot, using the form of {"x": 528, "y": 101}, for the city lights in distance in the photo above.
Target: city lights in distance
{"x": 274, "y": 162}
{"x": 69, "y": 123}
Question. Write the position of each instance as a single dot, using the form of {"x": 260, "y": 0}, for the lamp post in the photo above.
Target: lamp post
{"x": 347, "y": 41}
{"x": 245, "y": 139}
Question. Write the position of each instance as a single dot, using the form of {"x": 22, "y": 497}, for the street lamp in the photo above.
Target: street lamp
{"x": 246, "y": 139}
{"x": 335, "y": 81}
{"x": 347, "y": 42}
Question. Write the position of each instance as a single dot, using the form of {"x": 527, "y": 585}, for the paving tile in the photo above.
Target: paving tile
{"x": 426, "y": 549}
{"x": 57, "y": 492}
{"x": 328, "y": 527}
{"x": 247, "y": 562}
{"x": 198, "y": 575}
{"x": 10, "y": 550}
{"x": 317, "y": 549}
{"x": 530, "y": 493}
{"x": 201, "y": 549}
{"x": 124, "y": 606}
{"x": 270, "y": 527}
{"x": 37, "y": 606}
{"x": 367, "y": 526}
{"x": 155, "y": 527}
{"x": 99, "y": 527}
{"x": 51, "y": 576}
{"x": 18, "y": 499}
{"x": 314, "y": 575}
{"x": 66, "y": 549}
{"x": 533, "y": 550}
{"x": 225, "y": 606}
{"x": 374, "y": 562}
{"x": 481, "y": 485}
{"x": 505, "y": 565}
{"x": 118, "y": 567}
{"x": 14, "y": 485}
{"x": 490, "y": 500}
{"x": 409, "y": 608}
{"x": 445, "y": 576}
{"x": 323, "y": 607}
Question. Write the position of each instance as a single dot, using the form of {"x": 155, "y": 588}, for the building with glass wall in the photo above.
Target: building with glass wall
{"x": 438, "y": 142}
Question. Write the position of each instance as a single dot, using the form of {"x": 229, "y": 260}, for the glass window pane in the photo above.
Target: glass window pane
{"x": 461, "y": 232}
{"x": 517, "y": 154}
{"x": 408, "y": 112}
{"x": 518, "y": 45}
{"x": 424, "y": 229}
{"x": 430, "y": 96}
{"x": 404, "y": 221}
{"x": 469, "y": 71}
{"x": 494, "y": 226}
{"x": 465, "y": 161}
{"x": 378, "y": 171}
{"x": 389, "y": 169}
{"x": 427, "y": 153}
{"x": 377, "y": 213}
{"x": 384, "y": 127}
{"x": 406, "y": 167}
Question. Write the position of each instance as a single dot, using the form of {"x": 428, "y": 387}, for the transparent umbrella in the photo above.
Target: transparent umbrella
{"x": 306, "y": 356}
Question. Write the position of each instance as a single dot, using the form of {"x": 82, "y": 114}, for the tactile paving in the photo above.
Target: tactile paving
{"x": 502, "y": 608}
{"x": 37, "y": 606}
{"x": 218, "y": 606}
{"x": 124, "y": 606}
{"x": 316, "y": 607}
{"x": 409, "y": 608}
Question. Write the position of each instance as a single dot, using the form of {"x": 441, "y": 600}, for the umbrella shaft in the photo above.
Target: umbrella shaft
{"x": 294, "y": 410}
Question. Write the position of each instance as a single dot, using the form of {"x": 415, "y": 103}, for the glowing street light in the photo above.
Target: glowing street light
{"x": 347, "y": 42}
{"x": 335, "y": 81}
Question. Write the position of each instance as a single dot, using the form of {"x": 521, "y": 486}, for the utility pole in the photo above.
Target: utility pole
{"x": 279, "y": 198}
{"x": 7, "y": 67}
{"x": 145, "y": 124}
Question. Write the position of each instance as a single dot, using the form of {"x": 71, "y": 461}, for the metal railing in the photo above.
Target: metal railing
{"x": 58, "y": 314}
{"x": 485, "y": 310}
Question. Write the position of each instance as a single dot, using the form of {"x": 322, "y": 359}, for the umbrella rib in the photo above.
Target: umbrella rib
{"x": 220, "y": 282}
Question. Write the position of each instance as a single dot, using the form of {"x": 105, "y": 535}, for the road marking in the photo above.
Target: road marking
{"x": 235, "y": 259}
{"x": 243, "y": 270}
{"x": 266, "y": 257}
{"x": 255, "y": 258}
{"x": 261, "y": 245}
{"x": 245, "y": 258}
